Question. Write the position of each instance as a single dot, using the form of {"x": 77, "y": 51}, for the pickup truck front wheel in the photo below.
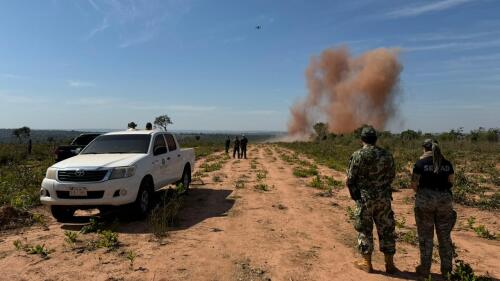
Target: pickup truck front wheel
{"x": 142, "y": 203}
{"x": 62, "y": 213}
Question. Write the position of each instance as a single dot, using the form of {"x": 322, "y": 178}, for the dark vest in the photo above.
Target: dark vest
{"x": 430, "y": 180}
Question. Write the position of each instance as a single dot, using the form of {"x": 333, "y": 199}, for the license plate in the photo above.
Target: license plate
{"x": 78, "y": 191}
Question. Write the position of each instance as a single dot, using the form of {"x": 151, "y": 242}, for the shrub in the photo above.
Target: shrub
{"x": 92, "y": 226}
{"x": 131, "y": 255}
{"x": 108, "y": 239}
{"x": 216, "y": 178}
{"x": 70, "y": 237}
{"x": 409, "y": 237}
{"x": 304, "y": 172}
{"x": 261, "y": 175}
{"x": 239, "y": 184}
{"x": 316, "y": 182}
{"x": 351, "y": 215}
{"x": 163, "y": 215}
{"x": 211, "y": 167}
{"x": 464, "y": 272}
{"x": 262, "y": 187}
{"x": 38, "y": 250}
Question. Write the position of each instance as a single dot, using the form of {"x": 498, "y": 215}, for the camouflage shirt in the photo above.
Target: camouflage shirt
{"x": 370, "y": 173}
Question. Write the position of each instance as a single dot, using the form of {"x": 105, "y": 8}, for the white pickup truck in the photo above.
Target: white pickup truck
{"x": 116, "y": 169}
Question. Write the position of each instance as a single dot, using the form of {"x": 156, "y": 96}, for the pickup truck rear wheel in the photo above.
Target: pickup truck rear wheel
{"x": 186, "y": 178}
{"x": 142, "y": 202}
{"x": 62, "y": 213}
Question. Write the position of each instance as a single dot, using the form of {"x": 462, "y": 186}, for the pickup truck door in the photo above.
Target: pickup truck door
{"x": 176, "y": 163}
{"x": 160, "y": 166}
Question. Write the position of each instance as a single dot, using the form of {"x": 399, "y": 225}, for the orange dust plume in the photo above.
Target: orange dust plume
{"x": 348, "y": 91}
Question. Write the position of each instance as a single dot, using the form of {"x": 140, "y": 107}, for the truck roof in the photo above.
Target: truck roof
{"x": 135, "y": 132}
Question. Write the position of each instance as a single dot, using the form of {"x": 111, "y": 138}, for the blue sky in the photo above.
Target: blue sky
{"x": 100, "y": 64}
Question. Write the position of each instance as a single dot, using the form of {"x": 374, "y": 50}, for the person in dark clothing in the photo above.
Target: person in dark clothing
{"x": 432, "y": 180}
{"x": 227, "y": 143}
{"x": 243, "y": 144}
{"x": 236, "y": 148}
{"x": 149, "y": 126}
{"x": 30, "y": 146}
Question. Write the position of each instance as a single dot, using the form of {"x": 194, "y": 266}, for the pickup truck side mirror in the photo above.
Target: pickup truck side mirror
{"x": 160, "y": 150}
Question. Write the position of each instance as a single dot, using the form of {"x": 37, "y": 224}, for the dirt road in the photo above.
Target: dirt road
{"x": 258, "y": 222}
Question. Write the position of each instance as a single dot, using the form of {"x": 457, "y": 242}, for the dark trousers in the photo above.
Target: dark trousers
{"x": 227, "y": 149}
{"x": 236, "y": 150}
{"x": 244, "y": 152}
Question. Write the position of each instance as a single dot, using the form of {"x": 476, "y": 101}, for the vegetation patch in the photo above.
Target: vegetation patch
{"x": 11, "y": 218}
{"x": 37, "y": 249}
{"x": 70, "y": 237}
{"x": 239, "y": 184}
{"x": 261, "y": 175}
{"x": 481, "y": 230}
{"x": 217, "y": 178}
{"x": 262, "y": 187}
{"x": 464, "y": 272}
{"x": 208, "y": 167}
{"x": 163, "y": 216}
{"x": 409, "y": 237}
{"x": 351, "y": 215}
{"x": 304, "y": 172}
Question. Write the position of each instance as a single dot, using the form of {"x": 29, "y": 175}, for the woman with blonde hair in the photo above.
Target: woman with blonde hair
{"x": 432, "y": 180}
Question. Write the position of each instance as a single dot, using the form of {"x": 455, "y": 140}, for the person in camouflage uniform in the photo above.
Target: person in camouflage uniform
{"x": 432, "y": 180}
{"x": 369, "y": 177}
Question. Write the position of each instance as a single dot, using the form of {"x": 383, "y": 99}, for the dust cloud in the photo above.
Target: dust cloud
{"x": 347, "y": 91}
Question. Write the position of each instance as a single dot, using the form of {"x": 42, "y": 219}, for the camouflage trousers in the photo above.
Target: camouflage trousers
{"x": 434, "y": 209}
{"x": 379, "y": 211}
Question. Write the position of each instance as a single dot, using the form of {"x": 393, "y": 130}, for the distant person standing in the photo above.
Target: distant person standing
{"x": 30, "y": 146}
{"x": 236, "y": 148}
{"x": 432, "y": 180}
{"x": 149, "y": 126}
{"x": 244, "y": 143}
{"x": 369, "y": 177}
{"x": 227, "y": 144}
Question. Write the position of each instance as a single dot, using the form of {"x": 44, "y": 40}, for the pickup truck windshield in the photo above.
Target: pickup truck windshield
{"x": 119, "y": 144}
{"x": 84, "y": 139}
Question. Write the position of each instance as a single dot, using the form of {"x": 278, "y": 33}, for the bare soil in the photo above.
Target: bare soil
{"x": 230, "y": 232}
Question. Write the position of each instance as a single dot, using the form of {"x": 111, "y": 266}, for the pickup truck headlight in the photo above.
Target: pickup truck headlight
{"x": 51, "y": 173}
{"x": 122, "y": 172}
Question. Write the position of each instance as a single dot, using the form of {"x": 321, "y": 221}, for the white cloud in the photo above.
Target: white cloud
{"x": 141, "y": 38}
{"x": 177, "y": 108}
{"x": 94, "y": 5}
{"x": 103, "y": 26}
{"x": 92, "y": 101}
{"x": 11, "y": 76}
{"x": 440, "y": 36}
{"x": 426, "y": 8}
{"x": 455, "y": 45}
{"x": 136, "y": 21}
{"x": 9, "y": 97}
{"x": 80, "y": 84}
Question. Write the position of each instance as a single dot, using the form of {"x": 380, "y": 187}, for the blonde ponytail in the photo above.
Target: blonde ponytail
{"x": 437, "y": 157}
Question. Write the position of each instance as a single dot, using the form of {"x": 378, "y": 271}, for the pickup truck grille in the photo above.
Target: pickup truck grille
{"x": 90, "y": 195}
{"x": 81, "y": 175}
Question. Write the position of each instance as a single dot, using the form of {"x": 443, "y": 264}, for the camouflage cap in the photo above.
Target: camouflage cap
{"x": 428, "y": 143}
{"x": 368, "y": 131}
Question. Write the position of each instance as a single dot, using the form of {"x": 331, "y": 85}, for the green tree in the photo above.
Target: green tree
{"x": 410, "y": 135}
{"x": 492, "y": 135}
{"x": 163, "y": 121}
{"x": 21, "y": 133}
{"x": 321, "y": 130}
